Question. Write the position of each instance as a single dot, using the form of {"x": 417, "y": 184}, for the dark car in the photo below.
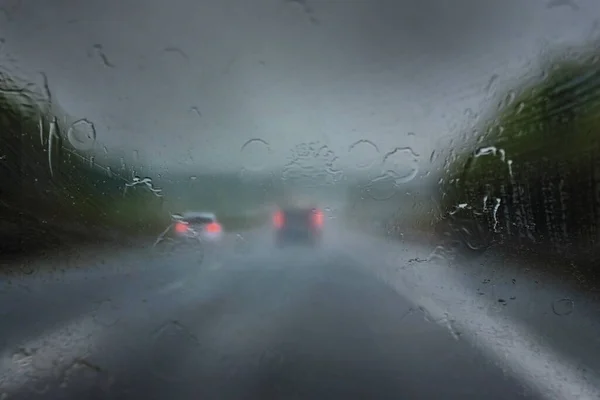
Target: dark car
{"x": 298, "y": 225}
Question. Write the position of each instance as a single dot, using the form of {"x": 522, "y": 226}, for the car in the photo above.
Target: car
{"x": 298, "y": 225}
{"x": 200, "y": 225}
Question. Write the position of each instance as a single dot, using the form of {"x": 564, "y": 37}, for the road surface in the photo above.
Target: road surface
{"x": 358, "y": 318}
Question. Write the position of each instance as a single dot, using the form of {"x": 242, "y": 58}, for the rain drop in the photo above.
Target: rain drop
{"x": 164, "y": 365}
{"x": 255, "y": 153}
{"x": 385, "y": 186}
{"x": 402, "y": 164}
{"x": 365, "y": 151}
{"x": 510, "y": 98}
{"x": 241, "y": 244}
{"x": 106, "y": 314}
{"x": 491, "y": 83}
{"x": 52, "y": 135}
{"x": 196, "y": 111}
{"x": 82, "y": 134}
{"x": 100, "y": 52}
{"x": 563, "y": 306}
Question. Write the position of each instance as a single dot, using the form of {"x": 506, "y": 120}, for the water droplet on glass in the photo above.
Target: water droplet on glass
{"x": 382, "y": 187}
{"x": 471, "y": 115}
{"x": 38, "y": 386}
{"x": 563, "y": 306}
{"x": 311, "y": 165}
{"x": 255, "y": 154}
{"x": 52, "y": 137}
{"x": 100, "y": 52}
{"x": 490, "y": 87}
{"x": 167, "y": 365}
{"x": 403, "y": 161}
{"x": 399, "y": 166}
{"x": 490, "y": 150}
{"x": 82, "y": 134}
{"x": 106, "y": 314}
{"x": 426, "y": 314}
{"x": 241, "y": 244}
{"x": 27, "y": 269}
{"x": 41, "y": 128}
{"x": 365, "y": 151}
{"x": 196, "y": 111}
{"x": 510, "y": 98}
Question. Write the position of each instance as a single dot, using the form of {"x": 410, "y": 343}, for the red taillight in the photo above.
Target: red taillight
{"x": 181, "y": 227}
{"x": 213, "y": 227}
{"x": 278, "y": 219}
{"x": 318, "y": 218}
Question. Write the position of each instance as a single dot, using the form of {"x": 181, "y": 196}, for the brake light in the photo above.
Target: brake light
{"x": 213, "y": 227}
{"x": 278, "y": 219}
{"x": 318, "y": 218}
{"x": 181, "y": 227}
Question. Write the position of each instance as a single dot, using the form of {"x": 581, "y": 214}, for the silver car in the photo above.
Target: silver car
{"x": 202, "y": 225}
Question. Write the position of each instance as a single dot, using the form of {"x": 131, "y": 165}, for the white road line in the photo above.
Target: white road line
{"x": 508, "y": 342}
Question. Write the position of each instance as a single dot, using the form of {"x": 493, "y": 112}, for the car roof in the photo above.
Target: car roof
{"x": 198, "y": 214}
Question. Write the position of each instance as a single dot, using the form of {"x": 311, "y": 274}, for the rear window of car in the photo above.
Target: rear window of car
{"x": 199, "y": 220}
{"x": 298, "y": 213}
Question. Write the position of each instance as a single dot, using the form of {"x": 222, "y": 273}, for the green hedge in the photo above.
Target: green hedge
{"x": 532, "y": 178}
{"x": 50, "y": 189}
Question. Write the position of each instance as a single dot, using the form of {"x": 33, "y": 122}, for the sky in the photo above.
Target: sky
{"x": 183, "y": 85}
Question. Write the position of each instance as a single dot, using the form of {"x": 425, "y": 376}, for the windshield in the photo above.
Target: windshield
{"x": 448, "y": 152}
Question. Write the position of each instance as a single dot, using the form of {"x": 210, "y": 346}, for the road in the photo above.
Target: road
{"x": 360, "y": 317}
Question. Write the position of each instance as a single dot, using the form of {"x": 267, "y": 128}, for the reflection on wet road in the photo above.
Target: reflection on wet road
{"x": 357, "y": 318}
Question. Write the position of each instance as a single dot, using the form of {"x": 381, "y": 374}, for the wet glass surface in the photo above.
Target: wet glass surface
{"x": 449, "y": 150}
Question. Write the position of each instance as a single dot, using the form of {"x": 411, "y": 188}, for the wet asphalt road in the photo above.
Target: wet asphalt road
{"x": 358, "y": 318}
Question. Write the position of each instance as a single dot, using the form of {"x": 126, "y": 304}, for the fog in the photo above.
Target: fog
{"x": 182, "y": 85}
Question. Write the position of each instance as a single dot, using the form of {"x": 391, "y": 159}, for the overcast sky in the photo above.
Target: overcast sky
{"x": 186, "y": 83}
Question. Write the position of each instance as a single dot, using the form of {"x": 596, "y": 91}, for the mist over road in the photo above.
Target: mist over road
{"x": 359, "y": 317}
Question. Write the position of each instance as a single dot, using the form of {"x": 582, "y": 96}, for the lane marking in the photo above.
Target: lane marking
{"x": 502, "y": 339}
{"x": 551, "y": 374}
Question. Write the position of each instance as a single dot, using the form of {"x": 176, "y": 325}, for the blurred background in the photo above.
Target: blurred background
{"x": 470, "y": 126}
